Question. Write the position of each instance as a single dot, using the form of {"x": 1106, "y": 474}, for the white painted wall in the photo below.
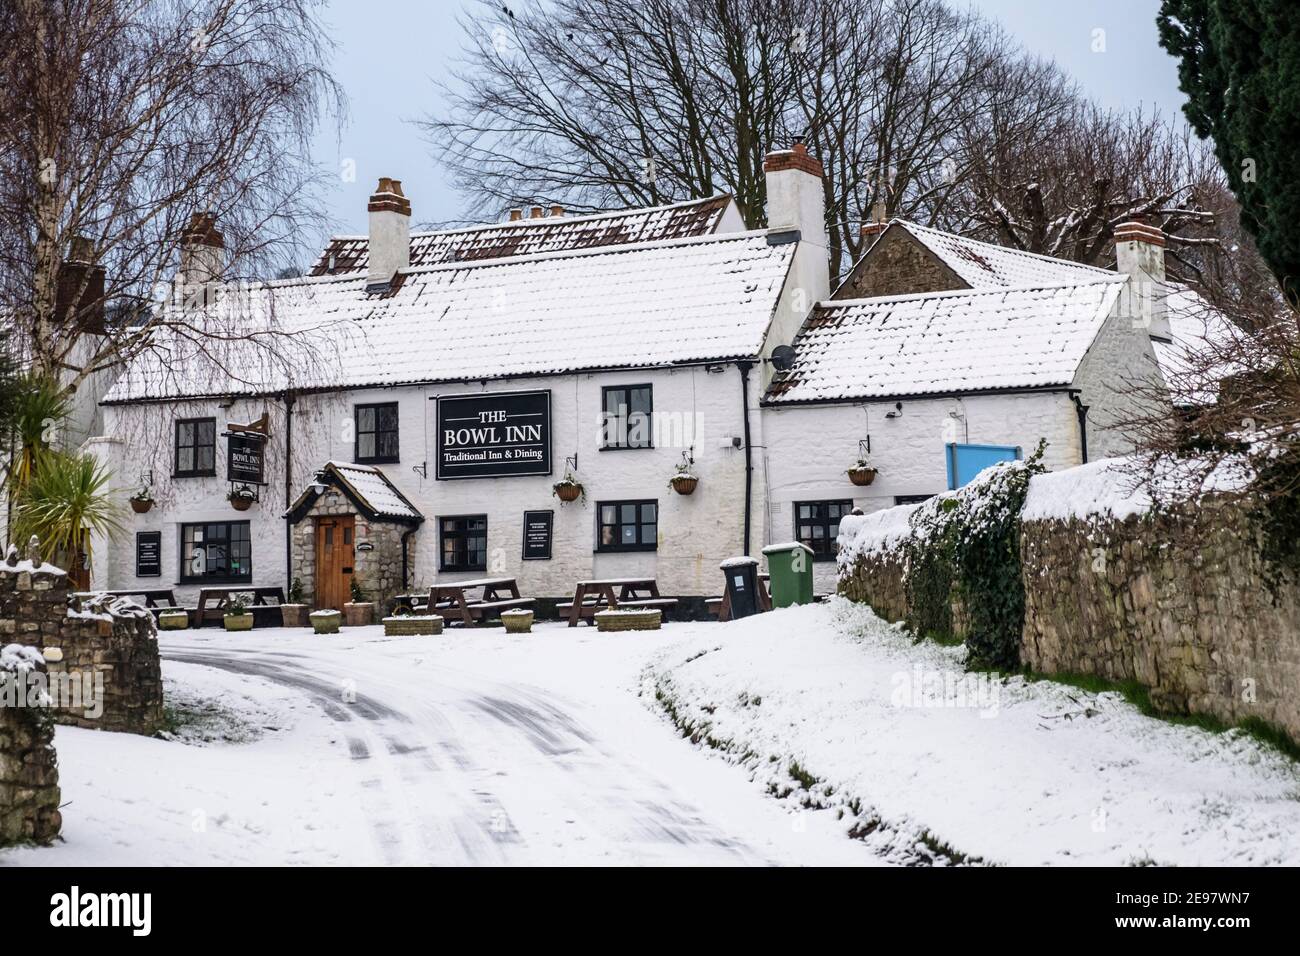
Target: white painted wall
{"x": 809, "y": 448}
{"x": 695, "y": 532}
{"x": 1116, "y": 380}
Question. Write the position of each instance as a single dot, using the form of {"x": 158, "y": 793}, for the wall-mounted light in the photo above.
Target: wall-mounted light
{"x": 318, "y": 483}
{"x": 897, "y": 411}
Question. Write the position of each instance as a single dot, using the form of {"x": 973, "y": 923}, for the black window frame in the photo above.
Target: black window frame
{"x": 377, "y": 458}
{"x": 825, "y": 520}
{"x": 177, "y": 471}
{"x": 622, "y": 444}
{"x": 186, "y": 577}
{"x": 640, "y": 523}
{"x": 461, "y": 534}
{"x": 911, "y": 499}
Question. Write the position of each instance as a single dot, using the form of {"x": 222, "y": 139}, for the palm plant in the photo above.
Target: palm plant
{"x": 38, "y": 408}
{"x": 65, "y": 501}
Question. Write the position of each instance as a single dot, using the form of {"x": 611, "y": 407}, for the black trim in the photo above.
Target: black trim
{"x": 443, "y": 566}
{"x": 604, "y": 412}
{"x": 749, "y": 461}
{"x": 176, "y": 448}
{"x": 183, "y": 558}
{"x": 918, "y": 397}
{"x": 846, "y": 503}
{"x": 376, "y": 459}
{"x": 639, "y": 523}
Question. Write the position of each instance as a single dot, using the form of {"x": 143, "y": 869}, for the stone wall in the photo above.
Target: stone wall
{"x": 898, "y": 265}
{"x": 1177, "y": 603}
{"x": 102, "y": 652}
{"x": 378, "y": 572}
{"x": 29, "y": 770}
{"x": 877, "y": 579}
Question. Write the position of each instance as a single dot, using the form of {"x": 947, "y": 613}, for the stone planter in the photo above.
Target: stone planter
{"x": 238, "y": 622}
{"x": 628, "y": 620}
{"x": 358, "y": 613}
{"x": 517, "y": 621}
{"x": 862, "y": 476}
{"x": 293, "y": 615}
{"x": 413, "y": 625}
{"x": 326, "y": 622}
{"x": 174, "y": 620}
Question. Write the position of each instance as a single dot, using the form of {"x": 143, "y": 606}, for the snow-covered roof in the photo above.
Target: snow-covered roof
{"x": 983, "y": 265}
{"x": 367, "y": 486}
{"x": 696, "y": 217}
{"x": 1198, "y": 334}
{"x": 653, "y": 304}
{"x": 945, "y": 342}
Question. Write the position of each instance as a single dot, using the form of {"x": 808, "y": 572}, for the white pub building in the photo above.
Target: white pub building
{"x": 420, "y": 406}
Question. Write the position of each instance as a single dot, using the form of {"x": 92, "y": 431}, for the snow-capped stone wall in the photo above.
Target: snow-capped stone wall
{"x": 29, "y": 769}
{"x": 1177, "y": 603}
{"x": 101, "y": 651}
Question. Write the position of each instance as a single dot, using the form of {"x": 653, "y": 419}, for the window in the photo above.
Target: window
{"x": 627, "y": 526}
{"x": 216, "y": 552}
{"x": 464, "y": 543}
{"x": 817, "y": 524}
{"x": 911, "y": 499}
{"x": 376, "y": 434}
{"x": 628, "y": 416}
{"x": 196, "y": 448}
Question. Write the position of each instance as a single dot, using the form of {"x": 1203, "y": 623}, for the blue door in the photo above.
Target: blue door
{"x": 967, "y": 461}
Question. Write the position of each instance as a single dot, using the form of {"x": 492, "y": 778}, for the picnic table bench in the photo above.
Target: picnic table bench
{"x": 213, "y": 602}
{"x": 721, "y": 606}
{"x": 155, "y": 600}
{"x": 607, "y": 594}
{"x": 496, "y": 595}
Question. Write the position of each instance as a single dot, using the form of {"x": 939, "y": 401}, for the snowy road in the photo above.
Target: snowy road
{"x": 466, "y": 749}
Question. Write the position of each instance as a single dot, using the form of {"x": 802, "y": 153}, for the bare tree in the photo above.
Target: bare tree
{"x": 120, "y": 120}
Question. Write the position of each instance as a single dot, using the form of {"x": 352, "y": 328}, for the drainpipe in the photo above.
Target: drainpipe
{"x": 1082, "y": 409}
{"x": 288, "y": 488}
{"x": 749, "y": 460}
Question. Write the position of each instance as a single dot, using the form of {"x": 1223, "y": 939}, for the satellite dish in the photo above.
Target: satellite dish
{"x": 783, "y": 357}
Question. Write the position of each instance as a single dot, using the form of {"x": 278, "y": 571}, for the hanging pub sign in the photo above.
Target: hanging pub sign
{"x": 494, "y": 435}
{"x": 148, "y": 554}
{"x": 537, "y": 535}
{"x": 246, "y": 452}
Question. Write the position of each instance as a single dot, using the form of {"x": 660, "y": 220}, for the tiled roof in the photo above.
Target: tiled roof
{"x": 697, "y": 217}
{"x": 663, "y": 303}
{"x": 945, "y": 342}
{"x": 982, "y": 265}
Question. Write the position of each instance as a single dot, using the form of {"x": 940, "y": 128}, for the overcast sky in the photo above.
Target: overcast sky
{"x": 389, "y": 51}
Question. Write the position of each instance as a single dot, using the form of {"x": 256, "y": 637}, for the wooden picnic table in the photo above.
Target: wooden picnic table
{"x": 264, "y": 614}
{"x": 607, "y": 594}
{"x": 496, "y": 595}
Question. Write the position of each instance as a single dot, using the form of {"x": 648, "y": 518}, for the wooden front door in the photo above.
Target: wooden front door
{"x": 334, "y": 556}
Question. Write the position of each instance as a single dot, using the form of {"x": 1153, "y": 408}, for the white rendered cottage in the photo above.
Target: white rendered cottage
{"x": 400, "y": 415}
{"x": 940, "y": 355}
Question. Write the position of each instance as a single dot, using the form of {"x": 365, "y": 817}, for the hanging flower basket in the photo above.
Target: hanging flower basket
{"x": 569, "y": 488}
{"x": 684, "y": 483}
{"x": 862, "y": 474}
{"x": 141, "y": 504}
{"x": 240, "y": 500}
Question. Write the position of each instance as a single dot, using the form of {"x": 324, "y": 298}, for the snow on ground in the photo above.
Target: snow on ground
{"x": 931, "y": 764}
{"x": 559, "y": 748}
{"x": 472, "y": 747}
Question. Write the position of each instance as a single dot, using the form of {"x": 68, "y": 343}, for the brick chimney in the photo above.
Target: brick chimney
{"x": 81, "y": 280}
{"x": 203, "y": 251}
{"x": 390, "y": 232}
{"x": 1140, "y": 255}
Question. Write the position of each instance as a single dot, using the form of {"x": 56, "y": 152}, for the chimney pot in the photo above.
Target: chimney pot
{"x": 557, "y": 210}
{"x": 516, "y": 215}
{"x": 536, "y": 212}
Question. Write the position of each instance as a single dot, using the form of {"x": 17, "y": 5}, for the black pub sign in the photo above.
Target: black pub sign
{"x": 494, "y": 435}
{"x": 537, "y": 535}
{"x": 245, "y": 458}
{"x": 148, "y": 554}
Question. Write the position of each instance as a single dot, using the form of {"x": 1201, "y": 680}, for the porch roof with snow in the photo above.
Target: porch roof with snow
{"x": 656, "y": 304}
{"x": 697, "y": 217}
{"x": 942, "y": 343}
{"x": 368, "y": 488}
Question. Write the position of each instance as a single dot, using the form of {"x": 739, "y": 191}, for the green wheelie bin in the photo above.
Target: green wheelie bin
{"x": 790, "y": 568}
